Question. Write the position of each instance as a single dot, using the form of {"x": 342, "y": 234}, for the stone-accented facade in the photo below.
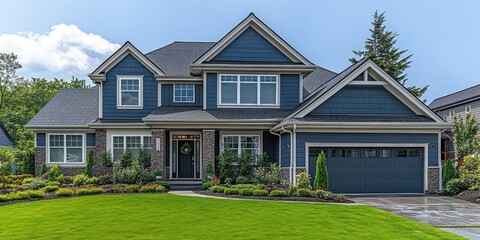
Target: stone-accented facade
{"x": 208, "y": 149}
{"x": 100, "y": 146}
{"x": 433, "y": 180}
{"x": 40, "y": 159}
{"x": 159, "y": 155}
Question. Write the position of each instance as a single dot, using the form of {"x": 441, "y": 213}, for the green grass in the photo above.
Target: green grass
{"x": 166, "y": 216}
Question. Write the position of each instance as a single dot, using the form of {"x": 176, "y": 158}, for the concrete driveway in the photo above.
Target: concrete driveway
{"x": 438, "y": 211}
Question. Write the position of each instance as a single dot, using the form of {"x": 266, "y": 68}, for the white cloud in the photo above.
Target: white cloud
{"x": 65, "y": 50}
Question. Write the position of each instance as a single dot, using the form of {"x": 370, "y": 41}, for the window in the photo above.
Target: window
{"x": 369, "y": 153}
{"x": 129, "y": 91}
{"x": 451, "y": 113}
{"x": 351, "y": 153}
{"x": 249, "y": 144}
{"x": 65, "y": 148}
{"x": 132, "y": 143}
{"x": 468, "y": 109}
{"x": 184, "y": 93}
{"x": 385, "y": 153}
{"x": 249, "y": 90}
{"x": 402, "y": 153}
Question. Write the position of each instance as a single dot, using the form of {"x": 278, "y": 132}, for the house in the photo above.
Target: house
{"x": 251, "y": 92}
{"x": 5, "y": 139}
{"x": 456, "y": 104}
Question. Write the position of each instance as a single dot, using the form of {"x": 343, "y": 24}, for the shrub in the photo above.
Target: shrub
{"x": 225, "y": 160}
{"x": 242, "y": 180}
{"x": 53, "y": 183}
{"x": 28, "y": 180}
{"x": 53, "y": 173}
{"x": 126, "y": 160}
{"x": 64, "y": 192}
{"x": 105, "y": 179}
{"x": 17, "y": 196}
{"x": 260, "y": 192}
{"x": 474, "y": 188}
{"x": 144, "y": 158}
{"x": 303, "y": 180}
{"x": 245, "y": 164}
{"x": 131, "y": 188}
{"x": 208, "y": 173}
{"x": 246, "y": 192}
{"x": 263, "y": 160}
{"x": 17, "y": 182}
{"x": 89, "y": 167}
{"x": 35, "y": 193}
{"x": 133, "y": 174}
{"x": 50, "y": 188}
{"x": 153, "y": 187}
{"x": 323, "y": 194}
{"x": 80, "y": 180}
{"x": 215, "y": 181}
{"x": 248, "y": 186}
{"x": 292, "y": 190}
{"x": 448, "y": 172}
{"x": 6, "y": 157}
{"x": 340, "y": 197}
{"x": 106, "y": 159}
{"x": 217, "y": 189}
{"x": 304, "y": 192}
{"x": 89, "y": 191}
{"x": 43, "y": 170}
{"x": 36, "y": 184}
{"x": 270, "y": 175}
{"x": 455, "y": 186}
{"x": 118, "y": 189}
{"x": 65, "y": 180}
{"x": 321, "y": 173}
{"x": 278, "y": 193}
{"x": 206, "y": 184}
{"x": 231, "y": 191}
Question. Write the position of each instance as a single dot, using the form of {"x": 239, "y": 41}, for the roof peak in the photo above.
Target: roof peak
{"x": 457, "y": 92}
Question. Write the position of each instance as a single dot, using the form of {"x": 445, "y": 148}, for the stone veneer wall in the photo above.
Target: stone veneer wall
{"x": 159, "y": 155}
{"x": 433, "y": 180}
{"x": 40, "y": 159}
{"x": 100, "y": 146}
{"x": 208, "y": 149}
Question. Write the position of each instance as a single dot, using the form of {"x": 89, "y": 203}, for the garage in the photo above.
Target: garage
{"x": 372, "y": 169}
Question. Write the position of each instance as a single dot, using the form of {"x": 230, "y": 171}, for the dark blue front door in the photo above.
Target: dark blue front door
{"x": 185, "y": 159}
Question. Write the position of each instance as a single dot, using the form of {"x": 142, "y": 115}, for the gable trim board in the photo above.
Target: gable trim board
{"x": 198, "y": 68}
{"x": 99, "y": 74}
{"x": 252, "y": 21}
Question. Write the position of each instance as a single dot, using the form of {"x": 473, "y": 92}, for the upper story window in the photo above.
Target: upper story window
{"x": 184, "y": 93}
{"x": 261, "y": 90}
{"x": 130, "y": 92}
{"x": 468, "y": 109}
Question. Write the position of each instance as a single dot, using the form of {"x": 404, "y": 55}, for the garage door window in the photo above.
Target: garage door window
{"x": 370, "y": 153}
{"x": 385, "y": 153}
{"x": 414, "y": 153}
{"x": 402, "y": 153}
{"x": 350, "y": 153}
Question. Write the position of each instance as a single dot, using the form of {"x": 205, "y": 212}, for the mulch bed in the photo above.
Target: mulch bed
{"x": 293, "y": 199}
{"x": 469, "y": 195}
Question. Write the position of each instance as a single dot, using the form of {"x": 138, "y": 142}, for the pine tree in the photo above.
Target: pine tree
{"x": 321, "y": 174}
{"x": 380, "y": 46}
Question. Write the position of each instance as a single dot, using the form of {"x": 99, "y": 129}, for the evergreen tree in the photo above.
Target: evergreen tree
{"x": 89, "y": 168}
{"x": 449, "y": 172}
{"x": 321, "y": 174}
{"x": 464, "y": 134}
{"x": 380, "y": 46}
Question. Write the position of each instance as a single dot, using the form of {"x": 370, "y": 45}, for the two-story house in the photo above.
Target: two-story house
{"x": 251, "y": 92}
{"x": 456, "y": 104}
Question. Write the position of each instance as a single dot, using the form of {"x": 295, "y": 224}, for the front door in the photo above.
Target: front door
{"x": 185, "y": 158}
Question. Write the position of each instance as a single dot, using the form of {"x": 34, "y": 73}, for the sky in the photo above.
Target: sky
{"x": 71, "y": 38}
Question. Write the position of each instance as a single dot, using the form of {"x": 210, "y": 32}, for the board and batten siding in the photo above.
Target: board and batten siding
{"x": 285, "y": 161}
{"x": 167, "y": 97}
{"x": 363, "y": 100}
{"x": 129, "y": 65}
{"x": 408, "y": 138}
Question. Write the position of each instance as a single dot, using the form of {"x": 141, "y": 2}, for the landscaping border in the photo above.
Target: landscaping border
{"x": 286, "y": 198}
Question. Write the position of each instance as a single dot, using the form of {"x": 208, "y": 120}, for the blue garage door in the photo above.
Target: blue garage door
{"x": 372, "y": 170}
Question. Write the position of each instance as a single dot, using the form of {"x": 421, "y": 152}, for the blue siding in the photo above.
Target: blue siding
{"x": 167, "y": 96}
{"x": 211, "y": 91}
{"x": 129, "y": 66}
{"x": 91, "y": 141}
{"x": 285, "y": 150}
{"x": 431, "y": 139}
{"x": 363, "y": 100}
{"x": 41, "y": 139}
{"x": 270, "y": 146}
{"x": 251, "y": 47}
{"x": 289, "y": 90}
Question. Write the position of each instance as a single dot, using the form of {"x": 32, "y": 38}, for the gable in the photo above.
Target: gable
{"x": 363, "y": 100}
{"x": 251, "y": 47}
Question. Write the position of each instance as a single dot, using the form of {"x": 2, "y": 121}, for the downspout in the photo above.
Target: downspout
{"x": 291, "y": 152}
{"x": 294, "y": 159}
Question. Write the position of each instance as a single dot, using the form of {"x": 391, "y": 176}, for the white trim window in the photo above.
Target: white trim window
{"x": 249, "y": 90}
{"x": 451, "y": 113}
{"x": 183, "y": 93}
{"x": 120, "y": 143}
{"x": 130, "y": 91}
{"x": 239, "y": 144}
{"x": 468, "y": 108}
{"x": 66, "y": 148}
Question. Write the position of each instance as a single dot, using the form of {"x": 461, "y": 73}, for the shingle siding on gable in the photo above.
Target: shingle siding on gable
{"x": 363, "y": 100}
{"x": 167, "y": 97}
{"x": 251, "y": 47}
{"x": 289, "y": 90}
{"x": 211, "y": 91}
{"x": 129, "y": 66}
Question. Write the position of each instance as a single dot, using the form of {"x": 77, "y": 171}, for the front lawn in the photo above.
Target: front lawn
{"x": 167, "y": 216}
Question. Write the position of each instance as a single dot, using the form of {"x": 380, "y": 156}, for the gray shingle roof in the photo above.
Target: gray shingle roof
{"x": 69, "y": 107}
{"x": 462, "y": 96}
{"x": 175, "y": 58}
{"x": 198, "y": 114}
{"x": 315, "y": 79}
{"x": 5, "y": 139}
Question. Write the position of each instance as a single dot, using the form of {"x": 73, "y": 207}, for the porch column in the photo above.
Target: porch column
{"x": 159, "y": 151}
{"x": 208, "y": 149}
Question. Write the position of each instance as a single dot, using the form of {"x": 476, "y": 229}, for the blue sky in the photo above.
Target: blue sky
{"x": 442, "y": 35}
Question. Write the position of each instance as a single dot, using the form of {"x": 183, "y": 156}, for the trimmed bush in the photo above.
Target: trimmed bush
{"x": 43, "y": 170}
{"x": 340, "y": 197}
{"x": 206, "y": 184}
{"x": 304, "y": 192}
{"x": 50, "y": 188}
{"x": 131, "y": 188}
{"x": 321, "y": 173}
{"x": 448, "y": 172}
{"x": 80, "y": 180}
{"x": 323, "y": 194}
{"x": 303, "y": 180}
{"x": 278, "y": 193}
{"x": 64, "y": 192}
{"x": 242, "y": 180}
{"x": 106, "y": 159}
{"x": 105, "y": 179}
{"x": 35, "y": 193}
{"x": 118, "y": 189}
{"x": 53, "y": 183}
{"x": 246, "y": 192}
{"x": 53, "y": 173}
{"x": 292, "y": 190}
{"x": 89, "y": 191}
{"x": 36, "y": 184}
{"x": 455, "y": 186}
{"x": 249, "y": 186}
{"x": 28, "y": 180}
{"x": 231, "y": 191}
{"x": 154, "y": 187}
{"x": 217, "y": 189}
{"x": 260, "y": 192}
{"x": 89, "y": 167}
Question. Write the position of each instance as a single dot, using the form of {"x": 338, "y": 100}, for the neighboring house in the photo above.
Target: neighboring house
{"x": 458, "y": 103}
{"x": 251, "y": 92}
{"x": 5, "y": 139}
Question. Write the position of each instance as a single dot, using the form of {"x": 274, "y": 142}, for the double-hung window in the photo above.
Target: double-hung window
{"x": 129, "y": 91}
{"x": 261, "y": 90}
{"x": 184, "y": 93}
{"x": 239, "y": 144}
{"x": 66, "y": 148}
{"x": 132, "y": 143}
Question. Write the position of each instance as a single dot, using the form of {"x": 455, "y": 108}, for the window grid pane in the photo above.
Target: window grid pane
{"x": 184, "y": 93}
{"x": 130, "y": 92}
{"x": 251, "y": 89}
